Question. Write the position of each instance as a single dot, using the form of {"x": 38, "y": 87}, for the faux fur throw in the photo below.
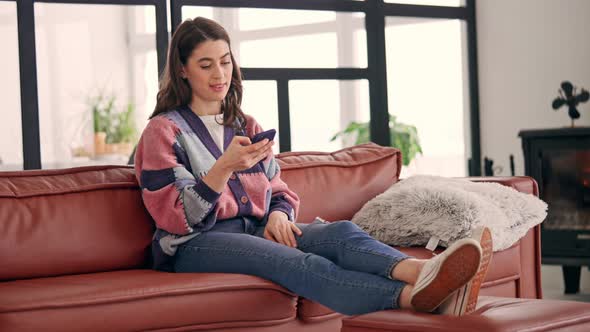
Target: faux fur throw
{"x": 419, "y": 207}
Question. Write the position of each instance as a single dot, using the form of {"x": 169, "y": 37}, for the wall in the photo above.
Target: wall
{"x": 526, "y": 48}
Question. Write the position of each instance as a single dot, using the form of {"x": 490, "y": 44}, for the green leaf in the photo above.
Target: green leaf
{"x": 403, "y": 136}
{"x": 119, "y": 126}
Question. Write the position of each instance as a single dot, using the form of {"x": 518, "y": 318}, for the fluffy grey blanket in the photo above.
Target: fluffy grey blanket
{"x": 419, "y": 207}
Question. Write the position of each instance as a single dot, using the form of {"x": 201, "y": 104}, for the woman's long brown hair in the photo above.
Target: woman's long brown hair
{"x": 175, "y": 91}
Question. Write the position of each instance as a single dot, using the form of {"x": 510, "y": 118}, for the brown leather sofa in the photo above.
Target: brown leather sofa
{"x": 74, "y": 251}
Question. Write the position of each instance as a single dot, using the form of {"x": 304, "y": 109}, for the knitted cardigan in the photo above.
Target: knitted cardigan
{"x": 174, "y": 153}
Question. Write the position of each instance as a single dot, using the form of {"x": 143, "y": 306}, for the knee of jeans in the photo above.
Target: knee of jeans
{"x": 344, "y": 226}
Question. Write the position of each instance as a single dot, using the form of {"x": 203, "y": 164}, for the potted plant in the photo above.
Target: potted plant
{"x": 114, "y": 132}
{"x": 403, "y": 137}
{"x": 102, "y": 114}
{"x": 125, "y": 131}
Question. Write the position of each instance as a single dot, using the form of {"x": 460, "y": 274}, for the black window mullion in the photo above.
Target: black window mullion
{"x": 284, "y": 115}
{"x": 28, "y": 85}
{"x": 176, "y": 13}
{"x": 394, "y": 9}
{"x": 329, "y": 5}
{"x": 475, "y": 160}
{"x": 305, "y": 73}
{"x": 376, "y": 60}
{"x": 161, "y": 35}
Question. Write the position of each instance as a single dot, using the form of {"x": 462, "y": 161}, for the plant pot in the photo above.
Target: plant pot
{"x": 125, "y": 148}
{"x": 110, "y": 148}
{"x": 100, "y": 143}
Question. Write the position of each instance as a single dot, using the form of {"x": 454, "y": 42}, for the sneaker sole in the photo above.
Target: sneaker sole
{"x": 456, "y": 270}
{"x": 456, "y": 304}
{"x": 484, "y": 237}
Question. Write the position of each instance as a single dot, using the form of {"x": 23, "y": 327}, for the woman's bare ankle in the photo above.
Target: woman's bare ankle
{"x": 404, "y": 297}
{"x": 408, "y": 270}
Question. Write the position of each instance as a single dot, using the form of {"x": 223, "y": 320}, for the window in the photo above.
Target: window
{"x": 82, "y": 63}
{"x": 11, "y": 154}
{"x": 299, "y": 39}
{"x": 295, "y": 61}
{"x": 426, "y": 83}
{"x": 290, "y": 38}
{"x": 319, "y": 109}
{"x": 260, "y": 101}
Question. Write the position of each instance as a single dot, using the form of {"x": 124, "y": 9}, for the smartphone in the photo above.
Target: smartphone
{"x": 270, "y": 134}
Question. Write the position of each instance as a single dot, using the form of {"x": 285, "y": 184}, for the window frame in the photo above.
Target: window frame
{"x": 375, "y": 13}
{"x": 28, "y": 64}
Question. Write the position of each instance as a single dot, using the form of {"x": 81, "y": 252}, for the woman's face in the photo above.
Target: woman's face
{"x": 209, "y": 70}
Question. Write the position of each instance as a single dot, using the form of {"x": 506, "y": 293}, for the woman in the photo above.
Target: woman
{"x": 220, "y": 206}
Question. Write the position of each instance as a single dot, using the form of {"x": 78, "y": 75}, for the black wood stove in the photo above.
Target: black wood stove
{"x": 559, "y": 159}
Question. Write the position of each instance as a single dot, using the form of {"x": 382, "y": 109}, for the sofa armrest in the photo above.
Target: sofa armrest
{"x": 529, "y": 284}
{"x": 524, "y": 184}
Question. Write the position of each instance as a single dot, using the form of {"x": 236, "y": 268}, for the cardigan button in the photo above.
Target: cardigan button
{"x": 233, "y": 177}
{"x": 244, "y": 199}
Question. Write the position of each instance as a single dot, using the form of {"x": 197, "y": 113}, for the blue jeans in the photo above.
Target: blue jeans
{"x": 335, "y": 264}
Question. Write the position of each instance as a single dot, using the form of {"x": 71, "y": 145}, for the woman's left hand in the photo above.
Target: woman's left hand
{"x": 279, "y": 229}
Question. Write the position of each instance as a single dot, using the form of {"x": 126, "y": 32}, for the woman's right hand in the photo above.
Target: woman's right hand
{"x": 241, "y": 154}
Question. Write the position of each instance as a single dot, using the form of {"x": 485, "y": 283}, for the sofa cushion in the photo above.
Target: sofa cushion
{"x": 78, "y": 220}
{"x": 142, "y": 299}
{"x": 492, "y": 314}
{"x": 335, "y": 185}
{"x": 312, "y": 312}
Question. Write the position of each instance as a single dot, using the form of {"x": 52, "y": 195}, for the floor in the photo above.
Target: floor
{"x": 552, "y": 283}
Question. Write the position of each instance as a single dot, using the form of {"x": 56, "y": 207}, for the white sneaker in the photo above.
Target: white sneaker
{"x": 464, "y": 300}
{"x": 442, "y": 275}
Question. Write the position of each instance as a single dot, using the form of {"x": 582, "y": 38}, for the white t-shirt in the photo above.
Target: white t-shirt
{"x": 215, "y": 129}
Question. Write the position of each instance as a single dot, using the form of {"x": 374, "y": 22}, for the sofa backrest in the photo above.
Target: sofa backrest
{"x": 92, "y": 219}
{"x": 335, "y": 185}
{"x": 77, "y": 220}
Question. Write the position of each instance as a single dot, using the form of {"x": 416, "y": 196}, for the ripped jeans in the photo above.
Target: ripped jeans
{"x": 336, "y": 264}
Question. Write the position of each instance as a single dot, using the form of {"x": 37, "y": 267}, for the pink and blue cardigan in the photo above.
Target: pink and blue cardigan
{"x": 174, "y": 152}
